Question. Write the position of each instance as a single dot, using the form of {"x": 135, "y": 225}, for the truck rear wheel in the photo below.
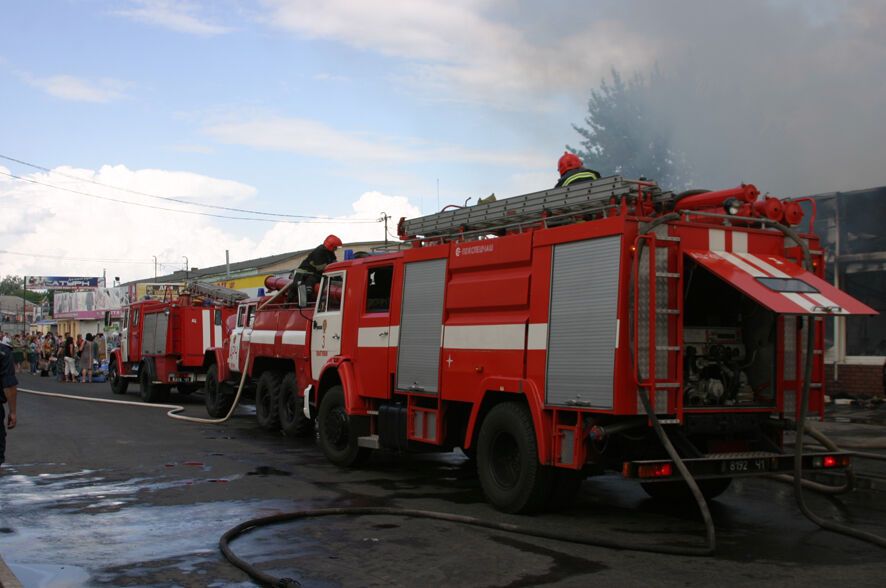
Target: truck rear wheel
{"x": 507, "y": 460}
{"x": 337, "y": 434}
{"x": 680, "y": 492}
{"x": 266, "y": 394}
{"x": 219, "y": 395}
{"x": 119, "y": 384}
{"x": 150, "y": 391}
{"x": 293, "y": 421}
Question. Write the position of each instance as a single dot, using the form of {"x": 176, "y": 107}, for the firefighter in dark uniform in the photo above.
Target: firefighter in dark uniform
{"x": 311, "y": 269}
{"x": 7, "y": 396}
{"x": 572, "y": 171}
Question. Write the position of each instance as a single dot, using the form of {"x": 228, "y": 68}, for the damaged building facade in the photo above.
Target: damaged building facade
{"x": 851, "y": 227}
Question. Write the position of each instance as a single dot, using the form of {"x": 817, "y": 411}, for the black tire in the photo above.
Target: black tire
{"x": 337, "y": 433}
{"x": 507, "y": 460}
{"x": 293, "y": 421}
{"x": 680, "y": 492}
{"x": 219, "y": 396}
{"x": 266, "y": 403}
{"x": 151, "y": 392}
{"x": 119, "y": 384}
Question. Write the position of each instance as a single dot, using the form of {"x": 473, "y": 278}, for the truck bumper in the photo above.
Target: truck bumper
{"x": 731, "y": 465}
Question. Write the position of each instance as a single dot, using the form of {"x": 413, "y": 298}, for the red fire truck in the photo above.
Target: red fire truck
{"x": 163, "y": 342}
{"x": 266, "y": 340}
{"x": 533, "y": 332}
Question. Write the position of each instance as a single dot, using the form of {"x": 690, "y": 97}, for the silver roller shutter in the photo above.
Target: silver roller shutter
{"x": 582, "y": 326}
{"x": 421, "y": 326}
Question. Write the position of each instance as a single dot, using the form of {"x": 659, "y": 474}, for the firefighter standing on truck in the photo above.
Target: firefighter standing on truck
{"x": 311, "y": 269}
{"x": 572, "y": 171}
{"x": 7, "y": 395}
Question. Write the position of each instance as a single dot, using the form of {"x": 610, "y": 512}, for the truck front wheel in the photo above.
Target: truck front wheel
{"x": 337, "y": 434}
{"x": 219, "y": 396}
{"x": 119, "y": 384}
{"x": 266, "y": 393}
{"x": 293, "y": 421}
{"x": 507, "y": 460}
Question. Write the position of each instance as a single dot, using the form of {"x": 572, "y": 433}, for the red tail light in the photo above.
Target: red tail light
{"x": 658, "y": 470}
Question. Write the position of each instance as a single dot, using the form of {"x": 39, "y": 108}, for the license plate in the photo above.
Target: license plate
{"x": 745, "y": 466}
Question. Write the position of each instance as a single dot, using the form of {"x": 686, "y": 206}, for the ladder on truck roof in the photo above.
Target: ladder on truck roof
{"x": 217, "y": 293}
{"x": 582, "y": 198}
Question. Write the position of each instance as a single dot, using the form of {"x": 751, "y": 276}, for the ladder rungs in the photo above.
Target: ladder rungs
{"x": 667, "y": 275}
{"x": 667, "y": 310}
{"x": 667, "y": 238}
{"x": 667, "y": 348}
{"x": 669, "y": 421}
{"x": 661, "y": 385}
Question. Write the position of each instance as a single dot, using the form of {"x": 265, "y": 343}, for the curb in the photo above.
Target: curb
{"x": 7, "y": 578}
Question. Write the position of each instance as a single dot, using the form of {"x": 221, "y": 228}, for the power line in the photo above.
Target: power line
{"x": 66, "y": 258}
{"x": 167, "y": 198}
{"x": 180, "y": 211}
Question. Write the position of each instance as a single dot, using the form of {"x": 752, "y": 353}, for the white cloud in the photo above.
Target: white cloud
{"x": 69, "y": 87}
{"x": 53, "y": 224}
{"x": 460, "y": 53}
{"x": 178, "y": 16}
{"x": 316, "y": 139}
{"x": 287, "y": 237}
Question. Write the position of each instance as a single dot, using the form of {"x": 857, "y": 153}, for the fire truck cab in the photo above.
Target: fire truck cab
{"x": 528, "y": 331}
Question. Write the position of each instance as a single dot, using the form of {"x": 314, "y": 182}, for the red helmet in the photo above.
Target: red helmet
{"x": 568, "y": 161}
{"x": 331, "y": 242}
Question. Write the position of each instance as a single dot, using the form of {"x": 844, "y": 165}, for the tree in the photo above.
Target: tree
{"x": 12, "y": 286}
{"x": 623, "y": 136}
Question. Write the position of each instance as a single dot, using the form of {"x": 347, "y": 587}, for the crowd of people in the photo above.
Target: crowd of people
{"x": 73, "y": 359}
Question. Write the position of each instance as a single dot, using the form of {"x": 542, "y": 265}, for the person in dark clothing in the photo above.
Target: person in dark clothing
{"x": 572, "y": 171}
{"x": 8, "y": 394}
{"x": 311, "y": 269}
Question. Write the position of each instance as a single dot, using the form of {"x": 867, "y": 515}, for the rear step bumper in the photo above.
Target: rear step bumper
{"x": 730, "y": 465}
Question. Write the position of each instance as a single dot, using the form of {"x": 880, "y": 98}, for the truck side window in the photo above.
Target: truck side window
{"x": 126, "y": 319}
{"x": 250, "y": 316}
{"x": 218, "y": 317}
{"x": 135, "y": 318}
{"x": 378, "y": 288}
{"x": 330, "y": 294}
{"x": 334, "y": 293}
{"x": 241, "y": 314}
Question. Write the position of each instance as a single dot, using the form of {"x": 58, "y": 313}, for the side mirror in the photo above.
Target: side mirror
{"x": 302, "y": 295}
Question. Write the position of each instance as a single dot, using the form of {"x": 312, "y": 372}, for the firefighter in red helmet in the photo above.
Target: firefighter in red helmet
{"x": 572, "y": 171}
{"x": 311, "y": 269}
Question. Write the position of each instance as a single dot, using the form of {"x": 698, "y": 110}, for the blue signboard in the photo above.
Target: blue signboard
{"x": 61, "y": 282}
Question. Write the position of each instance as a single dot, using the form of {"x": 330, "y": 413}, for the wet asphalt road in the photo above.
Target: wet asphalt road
{"x": 106, "y": 495}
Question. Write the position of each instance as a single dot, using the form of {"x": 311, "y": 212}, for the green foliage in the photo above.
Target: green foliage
{"x": 622, "y": 135}
{"x": 12, "y": 286}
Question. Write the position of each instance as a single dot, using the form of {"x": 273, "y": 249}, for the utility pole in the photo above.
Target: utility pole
{"x": 24, "y": 306}
{"x": 186, "y": 267}
{"x": 384, "y": 217}
{"x": 155, "y": 267}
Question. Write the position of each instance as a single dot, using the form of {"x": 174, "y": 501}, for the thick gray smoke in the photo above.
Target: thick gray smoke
{"x": 787, "y": 94}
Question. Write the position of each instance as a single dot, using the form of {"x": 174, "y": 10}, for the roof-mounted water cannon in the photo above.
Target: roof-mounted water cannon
{"x": 793, "y": 212}
{"x": 769, "y": 207}
{"x": 273, "y": 283}
{"x": 735, "y": 197}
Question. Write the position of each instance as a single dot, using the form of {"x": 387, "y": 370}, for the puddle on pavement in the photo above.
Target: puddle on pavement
{"x": 267, "y": 471}
{"x": 86, "y": 519}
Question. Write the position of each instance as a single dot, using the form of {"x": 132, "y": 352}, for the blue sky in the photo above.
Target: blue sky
{"x": 348, "y": 108}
